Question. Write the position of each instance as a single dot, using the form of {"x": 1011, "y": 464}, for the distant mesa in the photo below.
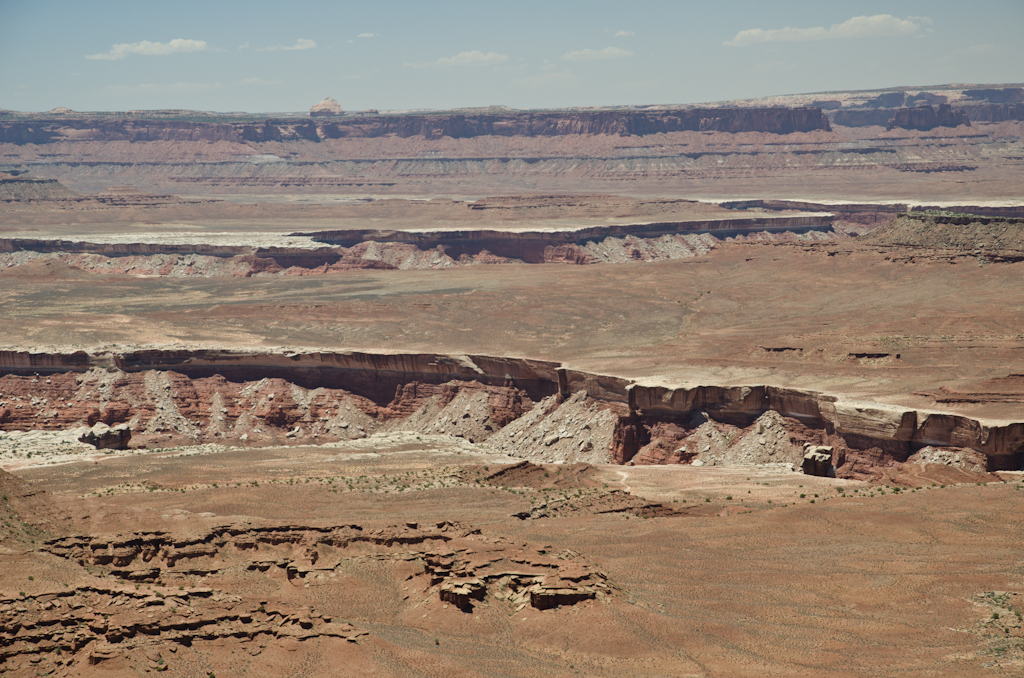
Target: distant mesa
{"x": 497, "y": 109}
{"x": 1004, "y": 95}
{"x": 326, "y": 107}
{"x": 886, "y": 100}
{"x": 60, "y": 110}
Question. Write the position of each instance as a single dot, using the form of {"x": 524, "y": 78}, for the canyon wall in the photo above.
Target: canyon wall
{"x": 777, "y": 120}
{"x": 996, "y": 112}
{"x": 394, "y": 385}
{"x": 910, "y": 119}
{"x": 393, "y": 249}
{"x": 532, "y": 246}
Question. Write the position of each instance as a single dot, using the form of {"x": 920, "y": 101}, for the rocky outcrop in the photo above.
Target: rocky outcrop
{"x": 103, "y": 437}
{"x": 100, "y": 623}
{"x": 459, "y": 564}
{"x": 818, "y": 461}
{"x": 925, "y": 118}
{"x": 137, "y": 598}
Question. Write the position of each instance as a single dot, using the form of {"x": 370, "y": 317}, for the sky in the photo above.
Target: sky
{"x": 257, "y": 56}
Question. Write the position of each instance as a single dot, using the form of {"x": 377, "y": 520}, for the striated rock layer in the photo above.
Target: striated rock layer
{"x": 109, "y": 619}
{"x": 406, "y": 250}
{"x": 533, "y": 409}
{"x": 777, "y": 120}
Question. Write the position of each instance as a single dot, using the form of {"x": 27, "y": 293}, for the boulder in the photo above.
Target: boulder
{"x": 461, "y": 592}
{"x": 103, "y": 437}
{"x": 818, "y": 461}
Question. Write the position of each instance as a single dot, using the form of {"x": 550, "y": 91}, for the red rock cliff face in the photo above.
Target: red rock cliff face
{"x": 218, "y": 392}
{"x": 429, "y": 126}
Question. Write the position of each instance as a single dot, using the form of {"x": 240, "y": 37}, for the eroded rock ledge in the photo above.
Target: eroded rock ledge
{"x": 142, "y": 599}
{"x": 529, "y": 408}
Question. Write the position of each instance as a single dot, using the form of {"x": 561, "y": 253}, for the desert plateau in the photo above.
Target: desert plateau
{"x": 704, "y": 390}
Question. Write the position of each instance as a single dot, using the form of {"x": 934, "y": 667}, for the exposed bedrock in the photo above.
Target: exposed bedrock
{"x": 529, "y": 408}
{"x": 776, "y": 120}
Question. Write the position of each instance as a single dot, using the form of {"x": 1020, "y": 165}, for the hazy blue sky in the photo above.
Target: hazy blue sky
{"x": 272, "y": 56}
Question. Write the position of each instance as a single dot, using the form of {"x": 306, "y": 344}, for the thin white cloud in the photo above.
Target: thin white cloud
{"x": 245, "y": 46}
{"x": 876, "y": 26}
{"x": 367, "y": 35}
{"x": 300, "y": 44}
{"x": 474, "y": 58}
{"x": 597, "y": 54}
{"x": 974, "y": 50}
{"x": 147, "y": 48}
{"x": 259, "y": 81}
{"x": 624, "y": 34}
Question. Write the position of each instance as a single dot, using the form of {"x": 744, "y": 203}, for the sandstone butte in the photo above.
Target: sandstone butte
{"x": 328, "y": 106}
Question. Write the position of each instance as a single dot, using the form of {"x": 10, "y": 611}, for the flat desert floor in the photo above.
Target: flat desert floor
{"x": 758, "y": 572}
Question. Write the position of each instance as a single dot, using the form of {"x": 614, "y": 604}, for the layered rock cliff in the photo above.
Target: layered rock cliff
{"x": 428, "y": 125}
{"x": 394, "y": 249}
{"x": 534, "y": 409}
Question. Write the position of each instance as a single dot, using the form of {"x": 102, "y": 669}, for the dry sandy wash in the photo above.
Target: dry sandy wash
{"x": 719, "y": 391}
